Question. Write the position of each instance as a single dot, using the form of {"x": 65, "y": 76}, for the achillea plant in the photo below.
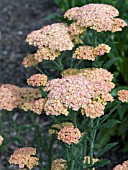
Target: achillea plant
{"x": 76, "y": 101}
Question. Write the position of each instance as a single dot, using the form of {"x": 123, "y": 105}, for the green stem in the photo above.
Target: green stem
{"x": 78, "y": 63}
{"x": 72, "y": 62}
{"x": 92, "y": 141}
{"x": 58, "y": 63}
{"x": 75, "y": 119}
{"x": 16, "y": 129}
{"x": 73, "y": 155}
{"x": 44, "y": 93}
{"x": 36, "y": 66}
{"x": 50, "y": 152}
{"x": 55, "y": 120}
{"x": 93, "y": 135}
{"x": 109, "y": 114}
{"x": 38, "y": 137}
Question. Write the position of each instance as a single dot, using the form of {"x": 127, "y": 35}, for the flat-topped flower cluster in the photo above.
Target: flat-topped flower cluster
{"x": 90, "y": 53}
{"x": 100, "y": 17}
{"x": 88, "y": 90}
{"x": 25, "y": 98}
{"x": 24, "y": 157}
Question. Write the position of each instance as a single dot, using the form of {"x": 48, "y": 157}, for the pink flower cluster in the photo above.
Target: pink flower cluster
{"x": 46, "y": 53}
{"x": 38, "y": 106}
{"x": 30, "y": 60}
{"x": 100, "y": 17}
{"x": 76, "y": 30}
{"x": 88, "y": 90}
{"x": 123, "y": 95}
{"x": 23, "y": 156}
{"x": 69, "y": 135}
{"x": 37, "y": 80}
{"x": 59, "y": 164}
{"x": 124, "y": 166}
{"x": 12, "y": 97}
{"x": 90, "y": 53}
{"x": 9, "y": 97}
{"x": 51, "y": 40}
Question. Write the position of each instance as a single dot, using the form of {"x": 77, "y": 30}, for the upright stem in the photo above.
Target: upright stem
{"x": 93, "y": 135}
{"x": 39, "y": 69}
{"x": 50, "y": 152}
{"x": 59, "y": 63}
{"x": 73, "y": 153}
{"x": 37, "y": 135}
{"x": 78, "y": 63}
{"x": 16, "y": 129}
{"x": 91, "y": 142}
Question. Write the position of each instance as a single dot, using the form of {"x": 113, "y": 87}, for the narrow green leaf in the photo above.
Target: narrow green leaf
{"x": 54, "y": 15}
{"x": 108, "y": 64}
{"x": 101, "y": 163}
{"x": 108, "y": 124}
{"x": 84, "y": 138}
{"x": 106, "y": 148}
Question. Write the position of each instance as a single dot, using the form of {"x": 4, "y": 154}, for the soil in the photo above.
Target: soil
{"x": 18, "y": 18}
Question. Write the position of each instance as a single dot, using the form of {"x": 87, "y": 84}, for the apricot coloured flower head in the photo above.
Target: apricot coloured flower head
{"x": 38, "y": 106}
{"x": 30, "y": 60}
{"x": 24, "y": 157}
{"x": 99, "y": 17}
{"x": 123, "y": 95}
{"x": 75, "y": 29}
{"x": 56, "y": 37}
{"x": 27, "y": 97}
{"x": 37, "y": 80}
{"x": 58, "y": 164}
{"x": 46, "y": 53}
{"x": 123, "y": 166}
{"x": 88, "y": 90}
{"x": 90, "y": 53}
{"x": 9, "y": 97}
{"x": 69, "y": 135}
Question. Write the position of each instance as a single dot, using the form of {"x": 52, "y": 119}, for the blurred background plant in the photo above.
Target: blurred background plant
{"x": 119, "y": 66}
